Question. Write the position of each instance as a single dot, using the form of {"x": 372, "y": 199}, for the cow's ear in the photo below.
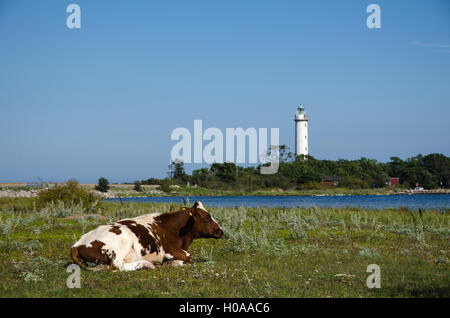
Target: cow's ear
{"x": 194, "y": 212}
{"x": 199, "y": 205}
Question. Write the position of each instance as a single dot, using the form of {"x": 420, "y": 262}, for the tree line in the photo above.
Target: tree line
{"x": 306, "y": 172}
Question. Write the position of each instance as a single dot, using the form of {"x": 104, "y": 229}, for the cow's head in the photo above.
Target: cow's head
{"x": 204, "y": 224}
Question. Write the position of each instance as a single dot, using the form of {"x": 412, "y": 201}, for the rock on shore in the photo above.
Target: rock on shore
{"x": 18, "y": 193}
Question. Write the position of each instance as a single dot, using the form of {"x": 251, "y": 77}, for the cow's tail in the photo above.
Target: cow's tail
{"x": 74, "y": 256}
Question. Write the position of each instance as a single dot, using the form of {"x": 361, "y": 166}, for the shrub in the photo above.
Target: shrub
{"x": 138, "y": 186}
{"x": 354, "y": 183}
{"x": 151, "y": 181}
{"x": 103, "y": 185}
{"x": 70, "y": 193}
{"x": 165, "y": 187}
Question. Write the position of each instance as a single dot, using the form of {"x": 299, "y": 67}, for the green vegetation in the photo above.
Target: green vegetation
{"x": 165, "y": 187}
{"x": 307, "y": 173}
{"x": 137, "y": 186}
{"x": 200, "y": 191}
{"x": 103, "y": 185}
{"x": 68, "y": 194}
{"x": 264, "y": 253}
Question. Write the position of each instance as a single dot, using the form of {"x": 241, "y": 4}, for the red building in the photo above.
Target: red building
{"x": 393, "y": 181}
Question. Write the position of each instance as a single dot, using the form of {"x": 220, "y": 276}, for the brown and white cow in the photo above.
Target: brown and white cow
{"x": 143, "y": 241}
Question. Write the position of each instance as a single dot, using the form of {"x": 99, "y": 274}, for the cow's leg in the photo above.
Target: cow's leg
{"x": 138, "y": 265}
{"x": 131, "y": 261}
{"x": 179, "y": 257}
{"x": 125, "y": 255}
{"x": 175, "y": 262}
{"x": 135, "y": 265}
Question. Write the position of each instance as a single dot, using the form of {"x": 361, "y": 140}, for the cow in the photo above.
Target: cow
{"x": 146, "y": 240}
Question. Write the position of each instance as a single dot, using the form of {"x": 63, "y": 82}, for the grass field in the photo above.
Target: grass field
{"x": 264, "y": 253}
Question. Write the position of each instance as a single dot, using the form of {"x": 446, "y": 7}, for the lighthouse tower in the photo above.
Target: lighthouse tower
{"x": 301, "y": 131}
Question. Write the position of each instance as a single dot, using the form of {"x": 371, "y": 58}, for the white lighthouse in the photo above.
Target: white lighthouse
{"x": 301, "y": 132}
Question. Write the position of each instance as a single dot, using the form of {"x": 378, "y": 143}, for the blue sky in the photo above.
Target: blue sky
{"x": 103, "y": 100}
